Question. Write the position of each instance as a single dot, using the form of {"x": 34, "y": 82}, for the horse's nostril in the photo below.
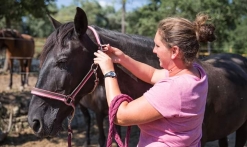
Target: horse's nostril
{"x": 36, "y": 126}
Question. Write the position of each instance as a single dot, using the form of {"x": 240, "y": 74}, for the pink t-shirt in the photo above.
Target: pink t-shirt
{"x": 181, "y": 100}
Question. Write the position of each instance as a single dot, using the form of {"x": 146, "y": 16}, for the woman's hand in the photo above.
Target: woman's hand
{"x": 115, "y": 53}
{"x": 104, "y": 61}
{"x": 107, "y": 58}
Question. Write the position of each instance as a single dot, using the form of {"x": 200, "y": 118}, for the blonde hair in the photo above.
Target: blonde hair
{"x": 186, "y": 34}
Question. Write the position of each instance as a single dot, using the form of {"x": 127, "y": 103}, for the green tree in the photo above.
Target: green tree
{"x": 105, "y": 17}
{"x": 227, "y": 15}
{"x": 14, "y": 10}
{"x": 240, "y": 37}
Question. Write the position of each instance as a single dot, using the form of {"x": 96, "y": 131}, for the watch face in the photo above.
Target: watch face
{"x": 111, "y": 74}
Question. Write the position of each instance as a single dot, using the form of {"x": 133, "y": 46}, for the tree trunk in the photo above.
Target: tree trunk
{"x": 8, "y": 22}
{"x": 123, "y": 16}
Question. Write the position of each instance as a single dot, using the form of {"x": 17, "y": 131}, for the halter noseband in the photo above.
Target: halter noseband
{"x": 70, "y": 99}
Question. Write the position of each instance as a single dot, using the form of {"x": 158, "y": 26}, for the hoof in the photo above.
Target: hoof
{"x": 8, "y": 88}
{"x": 26, "y": 86}
{"x": 21, "y": 88}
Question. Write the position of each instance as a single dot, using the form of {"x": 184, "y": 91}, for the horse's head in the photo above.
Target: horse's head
{"x": 66, "y": 60}
{"x": 7, "y": 36}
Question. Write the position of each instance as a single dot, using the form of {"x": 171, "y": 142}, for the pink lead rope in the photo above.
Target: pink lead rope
{"x": 112, "y": 129}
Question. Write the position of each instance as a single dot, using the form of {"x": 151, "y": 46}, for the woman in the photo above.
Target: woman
{"x": 171, "y": 112}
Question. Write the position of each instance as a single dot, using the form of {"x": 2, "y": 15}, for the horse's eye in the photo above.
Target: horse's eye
{"x": 62, "y": 63}
{"x": 62, "y": 60}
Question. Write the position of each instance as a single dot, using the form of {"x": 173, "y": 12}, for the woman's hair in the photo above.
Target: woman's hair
{"x": 176, "y": 31}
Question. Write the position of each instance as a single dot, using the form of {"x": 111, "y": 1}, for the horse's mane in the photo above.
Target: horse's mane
{"x": 128, "y": 42}
{"x": 124, "y": 39}
{"x": 133, "y": 45}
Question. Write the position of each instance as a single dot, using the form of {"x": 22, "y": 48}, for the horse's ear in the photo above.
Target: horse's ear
{"x": 54, "y": 22}
{"x": 80, "y": 22}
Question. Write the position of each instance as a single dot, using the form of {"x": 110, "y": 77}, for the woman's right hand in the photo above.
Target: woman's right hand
{"x": 116, "y": 54}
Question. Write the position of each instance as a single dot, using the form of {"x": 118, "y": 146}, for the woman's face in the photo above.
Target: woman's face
{"x": 163, "y": 53}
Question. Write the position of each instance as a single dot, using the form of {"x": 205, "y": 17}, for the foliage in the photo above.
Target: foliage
{"x": 240, "y": 37}
{"x": 226, "y": 15}
{"x": 98, "y": 15}
{"x": 20, "y": 8}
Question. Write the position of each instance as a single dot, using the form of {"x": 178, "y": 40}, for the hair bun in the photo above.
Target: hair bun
{"x": 205, "y": 32}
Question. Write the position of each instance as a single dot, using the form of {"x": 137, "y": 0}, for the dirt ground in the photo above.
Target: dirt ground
{"x": 26, "y": 138}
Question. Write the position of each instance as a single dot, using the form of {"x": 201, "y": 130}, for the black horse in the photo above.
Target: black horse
{"x": 96, "y": 102}
{"x": 67, "y": 58}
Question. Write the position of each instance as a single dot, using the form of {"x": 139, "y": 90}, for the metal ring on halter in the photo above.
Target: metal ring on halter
{"x": 102, "y": 46}
{"x": 69, "y": 101}
{"x": 94, "y": 68}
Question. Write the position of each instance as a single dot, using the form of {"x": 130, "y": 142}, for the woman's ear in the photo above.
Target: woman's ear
{"x": 175, "y": 52}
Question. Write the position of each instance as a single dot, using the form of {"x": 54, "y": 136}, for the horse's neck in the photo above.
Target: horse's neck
{"x": 138, "y": 47}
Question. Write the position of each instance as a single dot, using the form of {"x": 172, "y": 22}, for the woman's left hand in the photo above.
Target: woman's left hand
{"x": 104, "y": 61}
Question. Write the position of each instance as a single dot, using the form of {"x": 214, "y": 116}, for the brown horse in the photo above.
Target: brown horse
{"x": 18, "y": 46}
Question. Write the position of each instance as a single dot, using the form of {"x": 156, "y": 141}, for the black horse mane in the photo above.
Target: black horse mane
{"x": 134, "y": 45}
{"x": 124, "y": 37}
{"x": 127, "y": 42}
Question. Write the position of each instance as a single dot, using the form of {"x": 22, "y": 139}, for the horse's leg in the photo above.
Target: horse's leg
{"x": 223, "y": 142}
{"x": 22, "y": 69}
{"x": 11, "y": 73}
{"x": 27, "y": 70}
{"x": 100, "y": 123}
{"x": 87, "y": 118}
{"x": 241, "y": 136}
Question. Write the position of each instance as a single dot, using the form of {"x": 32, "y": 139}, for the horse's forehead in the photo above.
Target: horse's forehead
{"x": 60, "y": 44}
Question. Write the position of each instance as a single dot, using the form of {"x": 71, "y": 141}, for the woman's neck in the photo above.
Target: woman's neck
{"x": 175, "y": 71}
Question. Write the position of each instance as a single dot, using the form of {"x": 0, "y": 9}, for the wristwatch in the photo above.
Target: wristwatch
{"x": 110, "y": 74}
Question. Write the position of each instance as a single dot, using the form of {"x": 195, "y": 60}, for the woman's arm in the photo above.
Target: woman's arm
{"x": 137, "y": 111}
{"x": 143, "y": 71}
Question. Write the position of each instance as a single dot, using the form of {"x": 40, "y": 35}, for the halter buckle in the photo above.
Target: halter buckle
{"x": 101, "y": 47}
{"x": 69, "y": 100}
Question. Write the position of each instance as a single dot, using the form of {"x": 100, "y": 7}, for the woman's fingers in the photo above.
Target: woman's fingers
{"x": 100, "y": 54}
